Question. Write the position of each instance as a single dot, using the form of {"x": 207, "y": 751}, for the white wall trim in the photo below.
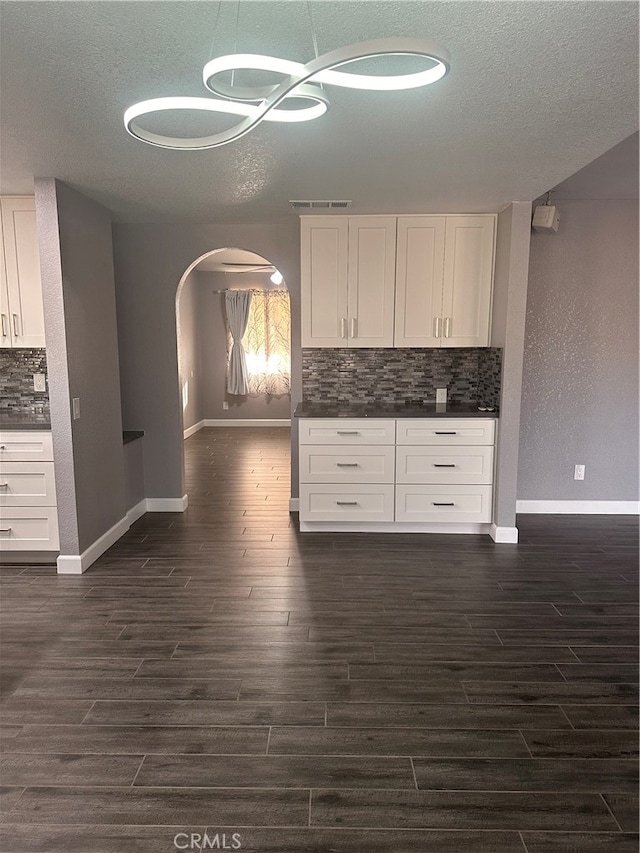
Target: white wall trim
{"x": 247, "y": 422}
{"x": 504, "y": 535}
{"x": 137, "y": 512}
{"x": 77, "y": 564}
{"x": 294, "y": 504}
{"x": 192, "y": 430}
{"x": 168, "y": 504}
{"x": 580, "y": 507}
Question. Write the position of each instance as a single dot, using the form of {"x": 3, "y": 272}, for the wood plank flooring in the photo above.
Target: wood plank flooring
{"x": 217, "y": 672}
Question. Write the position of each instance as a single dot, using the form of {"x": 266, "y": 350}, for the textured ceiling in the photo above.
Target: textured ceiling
{"x": 537, "y": 90}
{"x": 613, "y": 175}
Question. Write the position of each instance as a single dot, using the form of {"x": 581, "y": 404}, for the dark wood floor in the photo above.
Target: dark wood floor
{"x": 316, "y": 693}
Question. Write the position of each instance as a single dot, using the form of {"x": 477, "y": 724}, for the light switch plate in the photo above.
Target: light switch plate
{"x": 39, "y": 382}
{"x": 76, "y": 408}
{"x": 441, "y": 395}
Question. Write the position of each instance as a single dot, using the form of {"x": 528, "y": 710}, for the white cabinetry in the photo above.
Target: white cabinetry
{"x": 396, "y": 475}
{"x": 28, "y": 514}
{"x": 444, "y": 279}
{"x": 348, "y": 280}
{"x": 21, "y": 311}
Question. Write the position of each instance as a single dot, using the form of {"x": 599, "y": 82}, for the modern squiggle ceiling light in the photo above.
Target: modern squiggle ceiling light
{"x": 301, "y": 83}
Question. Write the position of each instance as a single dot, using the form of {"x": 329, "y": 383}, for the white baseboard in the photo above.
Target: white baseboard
{"x": 390, "y": 527}
{"x": 167, "y": 504}
{"x": 504, "y": 535}
{"x": 137, "y": 511}
{"x": 192, "y": 430}
{"x": 247, "y": 422}
{"x": 294, "y": 504}
{"x": 77, "y": 564}
{"x": 579, "y": 507}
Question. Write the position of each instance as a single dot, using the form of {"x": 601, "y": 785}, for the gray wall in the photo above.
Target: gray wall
{"x": 507, "y": 331}
{"x": 580, "y": 392}
{"x": 187, "y": 310}
{"x": 134, "y": 472}
{"x": 150, "y": 261}
{"x": 213, "y": 352}
{"x": 82, "y": 348}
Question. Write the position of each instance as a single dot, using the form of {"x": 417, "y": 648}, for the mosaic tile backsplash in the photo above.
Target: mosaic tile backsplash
{"x": 17, "y": 367}
{"x": 471, "y": 375}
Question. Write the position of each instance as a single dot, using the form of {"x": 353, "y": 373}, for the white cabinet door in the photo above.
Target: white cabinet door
{"x": 5, "y": 311}
{"x": 323, "y": 274}
{"x": 419, "y": 277}
{"x": 468, "y": 280}
{"x": 372, "y": 272}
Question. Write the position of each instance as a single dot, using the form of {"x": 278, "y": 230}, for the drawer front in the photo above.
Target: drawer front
{"x": 346, "y": 431}
{"x": 325, "y": 464}
{"x": 319, "y": 502}
{"x": 26, "y": 446}
{"x": 444, "y": 503}
{"x": 29, "y": 529}
{"x": 432, "y": 464}
{"x": 450, "y": 432}
{"x": 27, "y": 484}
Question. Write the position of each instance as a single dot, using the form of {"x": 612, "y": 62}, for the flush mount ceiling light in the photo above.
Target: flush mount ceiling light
{"x": 300, "y": 83}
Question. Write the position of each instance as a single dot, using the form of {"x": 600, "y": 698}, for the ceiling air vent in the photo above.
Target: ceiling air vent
{"x": 298, "y": 204}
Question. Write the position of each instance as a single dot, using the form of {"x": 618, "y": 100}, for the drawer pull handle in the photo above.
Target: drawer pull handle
{"x": 434, "y": 503}
{"x": 347, "y": 464}
{"x": 347, "y": 503}
{"x": 442, "y": 432}
{"x": 4, "y": 485}
{"x": 444, "y": 465}
{"x": 5, "y": 530}
{"x": 3, "y": 447}
{"x": 347, "y": 432}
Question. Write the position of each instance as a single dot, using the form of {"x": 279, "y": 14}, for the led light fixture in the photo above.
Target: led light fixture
{"x": 301, "y": 83}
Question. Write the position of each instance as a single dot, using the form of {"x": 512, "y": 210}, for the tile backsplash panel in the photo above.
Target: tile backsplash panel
{"x": 17, "y": 367}
{"x": 470, "y": 374}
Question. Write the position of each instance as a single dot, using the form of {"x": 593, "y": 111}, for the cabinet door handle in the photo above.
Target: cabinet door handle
{"x": 15, "y": 325}
{"x": 347, "y": 432}
{"x": 442, "y": 432}
{"x": 447, "y": 326}
{"x": 435, "y": 503}
{"x": 347, "y": 464}
{"x": 4, "y": 325}
{"x": 5, "y": 530}
{"x": 343, "y": 327}
{"x": 347, "y": 503}
{"x": 443, "y": 465}
{"x": 436, "y": 327}
{"x": 4, "y": 485}
{"x": 353, "y": 327}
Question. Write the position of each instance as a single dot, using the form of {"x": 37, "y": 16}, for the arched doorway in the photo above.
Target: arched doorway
{"x": 202, "y": 338}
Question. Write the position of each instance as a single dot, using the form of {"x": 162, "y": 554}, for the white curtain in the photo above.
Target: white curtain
{"x": 237, "y": 304}
{"x": 267, "y": 343}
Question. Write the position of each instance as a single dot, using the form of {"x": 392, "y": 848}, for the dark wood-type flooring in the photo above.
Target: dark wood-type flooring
{"x": 349, "y": 693}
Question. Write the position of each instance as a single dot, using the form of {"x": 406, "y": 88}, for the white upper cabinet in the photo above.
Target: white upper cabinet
{"x": 348, "y": 281}
{"x": 21, "y": 290}
{"x": 371, "y": 280}
{"x": 468, "y": 281}
{"x": 323, "y": 275}
{"x": 420, "y": 269}
{"x": 406, "y": 281}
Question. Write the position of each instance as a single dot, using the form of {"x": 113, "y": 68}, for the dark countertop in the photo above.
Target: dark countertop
{"x": 25, "y": 421}
{"x": 129, "y": 435}
{"x": 308, "y": 409}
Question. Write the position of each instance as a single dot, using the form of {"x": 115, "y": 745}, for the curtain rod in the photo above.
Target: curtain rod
{"x": 252, "y": 290}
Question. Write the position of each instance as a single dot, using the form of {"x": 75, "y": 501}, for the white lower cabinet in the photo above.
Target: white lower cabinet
{"x": 28, "y": 513}
{"x": 415, "y": 471}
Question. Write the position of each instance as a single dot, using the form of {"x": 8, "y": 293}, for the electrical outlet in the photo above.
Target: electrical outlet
{"x": 76, "y": 408}
{"x": 39, "y": 382}
{"x": 441, "y": 395}
{"x": 225, "y": 405}
{"x": 578, "y": 472}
